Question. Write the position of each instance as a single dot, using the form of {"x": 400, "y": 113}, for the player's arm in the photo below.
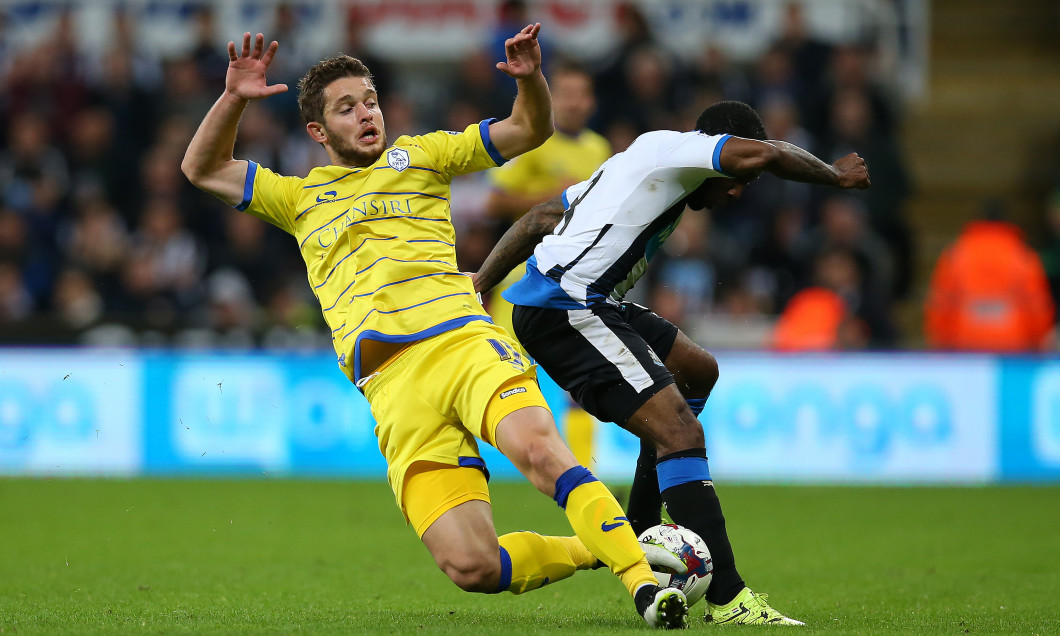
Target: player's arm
{"x": 530, "y": 123}
{"x": 208, "y": 162}
{"x": 505, "y": 204}
{"x": 745, "y": 159}
{"x": 518, "y": 243}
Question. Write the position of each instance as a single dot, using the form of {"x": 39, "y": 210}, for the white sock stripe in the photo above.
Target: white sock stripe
{"x": 611, "y": 347}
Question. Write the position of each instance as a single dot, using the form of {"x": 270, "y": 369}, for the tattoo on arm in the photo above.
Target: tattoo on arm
{"x": 797, "y": 164}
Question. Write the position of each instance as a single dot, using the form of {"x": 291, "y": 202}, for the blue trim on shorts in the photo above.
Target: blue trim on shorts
{"x": 474, "y": 462}
{"x": 681, "y": 470}
{"x": 506, "y": 572}
{"x": 697, "y": 405}
{"x": 570, "y": 480}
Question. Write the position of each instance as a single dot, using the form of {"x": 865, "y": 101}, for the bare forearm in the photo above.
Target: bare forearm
{"x": 530, "y": 123}
{"x": 533, "y": 106}
{"x": 796, "y": 164}
{"x": 518, "y": 243}
{"x": 208, "y": 160}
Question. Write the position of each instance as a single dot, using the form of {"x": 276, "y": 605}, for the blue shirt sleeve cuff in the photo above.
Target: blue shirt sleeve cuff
{"x": 484, "y": 130}
{"x": 716, "y": 159}
{"x": 248, "y": 186}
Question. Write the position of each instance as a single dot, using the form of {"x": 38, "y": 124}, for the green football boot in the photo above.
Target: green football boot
{"x": 747, "y": 608}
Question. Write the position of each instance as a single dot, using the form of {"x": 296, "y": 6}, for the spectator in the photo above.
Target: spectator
{"x": 989, "y": 293}
{"x": 852, "y": 130}
{"x": 826, "y": 316}
{"x": 15, "y": 302}
{"x": 76, "y": 301}
{"x": 96, "y": 244}
{"x": 844, "y": 225}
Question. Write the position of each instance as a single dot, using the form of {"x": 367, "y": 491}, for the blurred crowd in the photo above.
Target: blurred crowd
{"x": 102, "y": 240}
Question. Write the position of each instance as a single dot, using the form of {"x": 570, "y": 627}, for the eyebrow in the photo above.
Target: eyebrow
{"x": 347, "y": 97}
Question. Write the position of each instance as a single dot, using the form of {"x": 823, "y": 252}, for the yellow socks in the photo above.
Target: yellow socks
{"x": 602, "y": 526}
{"x": 536, "y": 560}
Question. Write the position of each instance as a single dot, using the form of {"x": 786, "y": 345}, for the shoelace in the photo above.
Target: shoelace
{"x": 758, "y": 603}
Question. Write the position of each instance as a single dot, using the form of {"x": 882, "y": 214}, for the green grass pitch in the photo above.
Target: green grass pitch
{"x": 306, "y": 557}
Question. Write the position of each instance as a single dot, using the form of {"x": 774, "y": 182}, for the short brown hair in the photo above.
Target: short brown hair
{"x": 311, "y": 86}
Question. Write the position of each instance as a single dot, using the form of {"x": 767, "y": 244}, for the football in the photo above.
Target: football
{"x": 671, "y": 548}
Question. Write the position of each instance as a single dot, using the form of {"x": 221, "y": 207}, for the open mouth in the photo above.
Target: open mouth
{"x": 369, "y": 136}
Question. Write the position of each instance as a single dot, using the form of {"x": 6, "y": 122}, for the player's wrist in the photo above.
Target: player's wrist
{"x": 233, "y": 97}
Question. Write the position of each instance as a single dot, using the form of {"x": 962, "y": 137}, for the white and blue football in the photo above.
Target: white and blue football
{"x": 679, "y": 558}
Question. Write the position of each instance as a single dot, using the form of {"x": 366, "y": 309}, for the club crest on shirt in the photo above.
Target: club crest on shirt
{"x": 398, "y": 158}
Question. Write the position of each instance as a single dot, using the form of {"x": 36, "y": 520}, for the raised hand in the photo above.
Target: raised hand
{"x": 853, "y": 173}
{"x": 246, "y": 72}
{"x": 523, "y": 53}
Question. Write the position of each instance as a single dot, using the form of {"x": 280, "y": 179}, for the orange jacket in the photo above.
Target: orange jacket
{"x": 810, "y": 321}
{"x": 989, "y": 293}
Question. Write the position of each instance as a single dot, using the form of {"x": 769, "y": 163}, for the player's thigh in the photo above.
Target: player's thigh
{"x": 694, "y": 369}
{"x": 433, "y": 491}
{"x": 492, "y": 379}
{"x": 528, "y": 437}
{"x": 449, "y": 507}
{"x": 415, "y": 419}
{"x": 597, "y": 356}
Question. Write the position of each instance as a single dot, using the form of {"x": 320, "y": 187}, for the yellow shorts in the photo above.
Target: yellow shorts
{"x": 432, "y": 489}
{"x": 434, "y": 399}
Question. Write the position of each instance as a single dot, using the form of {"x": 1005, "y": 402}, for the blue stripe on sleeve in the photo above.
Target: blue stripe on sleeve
{"x": 484, "y": 130}
{"x": 681, "y": 470}
{"x": 697, "y": 405}
{"x": 716, "y": 159}
{"x": 566, "y": 205}
{"x": 248, "y": 186}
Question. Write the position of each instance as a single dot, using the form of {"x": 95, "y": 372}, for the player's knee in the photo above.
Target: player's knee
{"x": 540, "y": 454}
{"x": 689, "y": 431}
{"x": 684, "y": 431}
{"x": 710, "y": 372}
{"x": 703, "y": 375}
{"x": 474, "y": 572}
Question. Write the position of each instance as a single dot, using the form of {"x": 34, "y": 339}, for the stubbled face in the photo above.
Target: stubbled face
{"x": 352, "y": 130}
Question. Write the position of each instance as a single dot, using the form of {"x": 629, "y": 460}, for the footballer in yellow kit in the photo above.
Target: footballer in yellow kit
{"x": 378, "y": 243}
{"x": 376, "y": 235}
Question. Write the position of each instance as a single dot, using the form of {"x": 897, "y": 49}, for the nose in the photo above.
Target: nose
{"x": 363, "y": 113}
{"x": 735, "y": 192}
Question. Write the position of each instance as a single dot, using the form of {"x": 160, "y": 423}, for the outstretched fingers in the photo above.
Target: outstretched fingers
{"x": 269, "y": 53}
{"x": 246, "y": 45}
{"x": 232, "y": 52}
{"x": 259, "y": 44}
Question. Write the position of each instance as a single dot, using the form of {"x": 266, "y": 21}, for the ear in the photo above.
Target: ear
{"x": 316, "y": 132}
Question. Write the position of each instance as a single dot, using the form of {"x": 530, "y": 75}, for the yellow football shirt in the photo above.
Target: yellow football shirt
{"x": 378, "y": 242}
{"x": 559, "y": 162}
